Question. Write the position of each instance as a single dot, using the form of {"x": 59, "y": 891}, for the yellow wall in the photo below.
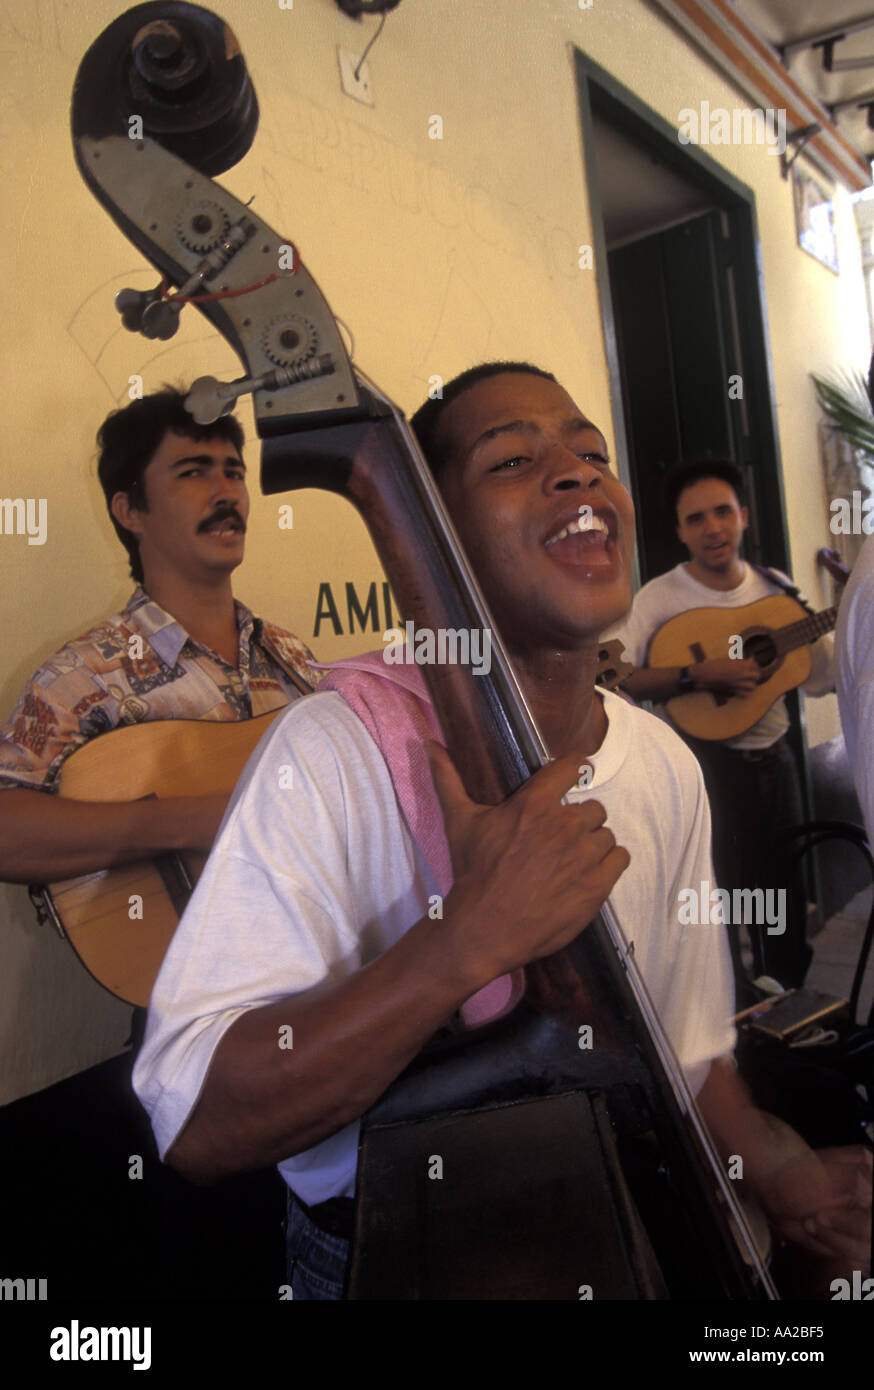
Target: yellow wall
{"x": 436, "y": 253}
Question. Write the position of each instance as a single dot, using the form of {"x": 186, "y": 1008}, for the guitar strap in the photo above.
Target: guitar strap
{"x": 788, "y": 588}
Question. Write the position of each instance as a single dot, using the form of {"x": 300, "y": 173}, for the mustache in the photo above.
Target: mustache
{"x": 225, "y": 512}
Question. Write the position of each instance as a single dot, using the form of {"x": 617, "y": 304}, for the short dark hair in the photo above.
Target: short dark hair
{"x": 687, "y": 474}
{"x": 426, "y": 421}
{"x": 128, "y": 440}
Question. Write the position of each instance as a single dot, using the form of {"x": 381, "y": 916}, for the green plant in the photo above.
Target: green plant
{"x": 844, "y": 401}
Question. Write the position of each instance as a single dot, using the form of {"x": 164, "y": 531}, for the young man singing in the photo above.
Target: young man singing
{"x": 313, "y": 911}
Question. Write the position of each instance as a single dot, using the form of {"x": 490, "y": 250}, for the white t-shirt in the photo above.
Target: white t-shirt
{"x": 678, "y": 591}
{"x": 314, "y": 874}
{"x": 854, "y": 653}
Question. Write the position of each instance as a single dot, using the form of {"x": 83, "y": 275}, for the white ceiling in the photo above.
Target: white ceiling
{"x": 786, "y": 21}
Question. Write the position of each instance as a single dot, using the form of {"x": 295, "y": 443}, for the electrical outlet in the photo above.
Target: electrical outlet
{"x": 356, "y": 87}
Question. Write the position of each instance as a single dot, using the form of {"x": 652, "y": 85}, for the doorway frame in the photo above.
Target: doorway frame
{"x": 599, "y": 93}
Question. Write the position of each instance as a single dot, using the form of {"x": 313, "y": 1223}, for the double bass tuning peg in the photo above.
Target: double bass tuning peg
{"x": 150, "y": 313}
{"x": 147, "y": 312}
{"x": 208, "y": 398}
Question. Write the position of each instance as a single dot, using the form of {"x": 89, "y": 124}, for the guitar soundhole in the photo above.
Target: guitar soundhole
{"x": 760, "y": 646}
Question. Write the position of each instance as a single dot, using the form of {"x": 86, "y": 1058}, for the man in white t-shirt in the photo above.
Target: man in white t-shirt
{"x": 854, "y": 663}
{"x": 752, "y": 781}
{"x": 308, "y": 970}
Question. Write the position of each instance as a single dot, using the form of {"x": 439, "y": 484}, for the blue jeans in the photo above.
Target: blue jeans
{"x": 315, "y": 1263}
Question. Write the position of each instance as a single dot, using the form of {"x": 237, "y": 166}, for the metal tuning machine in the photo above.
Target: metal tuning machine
{"x": 162, "y": 101}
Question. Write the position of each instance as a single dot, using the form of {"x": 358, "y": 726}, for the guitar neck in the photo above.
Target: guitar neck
{"x": 809, "y": 629}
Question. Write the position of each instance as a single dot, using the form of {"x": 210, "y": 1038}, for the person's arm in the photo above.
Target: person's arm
{"x": 44, "y": 837}
{"x": 527, "y": 873}
{"x": 820, "y": 1200}
{"x": 861, "y": 701}
{"x": 854, "y": 662}
{"x": 722, "y": 674}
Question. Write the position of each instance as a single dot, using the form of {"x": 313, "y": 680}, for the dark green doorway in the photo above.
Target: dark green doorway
{"x": 676, "y": 254}
{"x": 676, "y": 357}
{"x": 683, "y": 310}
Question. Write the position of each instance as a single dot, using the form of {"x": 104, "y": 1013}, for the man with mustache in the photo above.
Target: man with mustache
{"x": 182, "y": 648}
{"x": 308, "y": 970}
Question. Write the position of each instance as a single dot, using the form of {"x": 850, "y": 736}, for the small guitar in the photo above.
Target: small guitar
{"x": 120, "y": 921}
{"x": 775, "y": 631}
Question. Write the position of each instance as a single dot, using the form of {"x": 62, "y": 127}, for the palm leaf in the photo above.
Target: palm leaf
{"x": 844, "y": 401}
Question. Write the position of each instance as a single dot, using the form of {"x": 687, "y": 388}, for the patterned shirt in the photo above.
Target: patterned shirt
{"x": 138, "y": 665}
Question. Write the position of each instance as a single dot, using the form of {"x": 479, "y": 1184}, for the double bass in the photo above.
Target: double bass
{"x": 587, "y": 1173}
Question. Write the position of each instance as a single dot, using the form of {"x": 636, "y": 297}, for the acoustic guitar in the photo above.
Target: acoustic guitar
{"x": 120, "y": 921}
{"x": 775, "y": 631}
